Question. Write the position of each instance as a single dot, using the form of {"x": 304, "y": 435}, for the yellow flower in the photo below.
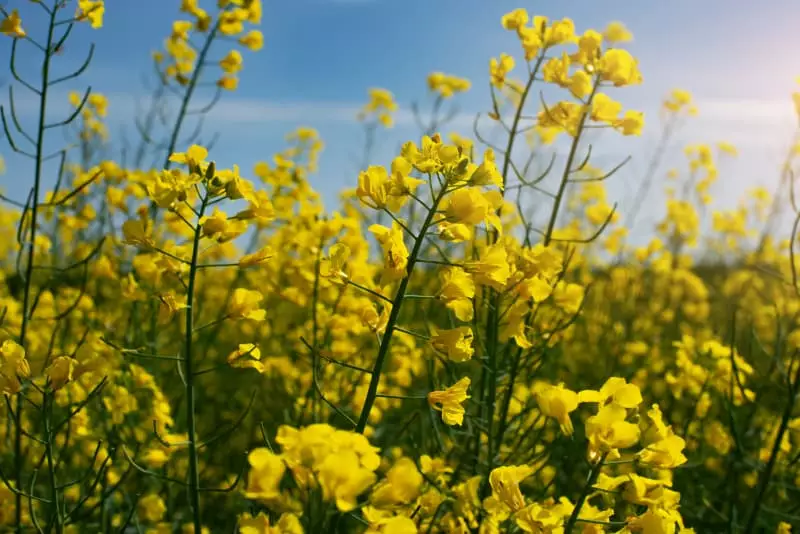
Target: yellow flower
{"x": 169, "y": 305}
{"x": 487, "y": 173}
{"x": 492, "y": 268}
{"x": 499, "y": 69}
{"x": 536, "y": 288}
{"x": 605, "y": 109}
{"x": 556, "y": 70}
{"x": 664, "y": 454}
{"x": 665, "y": 449}
{"x": 400, "y": 487}
{"x": 229, "y": 83}
{"x": 656, "y": 519}
{"x": 616, "y": 390}
{"x": 246, "y": 356}
{"x": 259, "y": 208}
{"x": 457, "y": 292}
{"x": 381, "y": 105}
{"x": 560, "y": 32}
{"x": 564, "y": 116}
{"x": 580, "y": 84}
{"x": 230, "y": 22}
{"x": 91, "y": 10}
{"x": 557, "y": 402}
{"x": 151, "y": 508}
{"x": 505, "y": 485}
{"x": 515, "y": 19}
{"x": 395, "y": 253}
{"x": 373, "y": 187}
{"x": 216, "y": 223}
{"x": 447, "y": 85}
{"x": 544, "y": 518}
{"x": 470, "y": 206}
{"x": 343, "y": 479}
{"x": 616, "y": 32}
{"x": 13, "y": 366}
{"x": 60, "y": 372}
{"x": 608, "y": 431}
{"x": 400, "y": 185}
{"x": 244, "y": 305}
{"x": 531, "y": 40}
{"x": 456, "y": 343}
{"x": 288, "y": 523}
{"x": 568, "y": 296}
{"x": 99, "y": 103}
{"x": 449, "y": 402}
{"x": 231, "y": 63}
{"x": 333, "y": 265}
{"x": 264, "y": 477}
{"x": 381, "y": 522}
{"x": 620, "y": 68}
{"x": 11, "y": 25}
{"x": 258, "y": 257}
{"x": 193, "y": 158}
{"x": 589, "y": 45}
{"x": 254, "y": 40}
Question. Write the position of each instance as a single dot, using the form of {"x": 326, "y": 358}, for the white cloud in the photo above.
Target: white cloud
{"x": 243, "y": 111}
{"x": 750, "y": 111}
{"x": 231, "y": 111}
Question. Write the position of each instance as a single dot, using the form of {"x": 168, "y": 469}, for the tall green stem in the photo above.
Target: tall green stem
{"x": 489, "y": 375}
{"x": 201, "y": 58}
{"x": 397, "y": 303}
{"x": 194, "y": 472}
{"x": 562, "y": 187}
{"x": 47, "y": 409}
{"x": 34, "y": 215}
{"x": 763, "y": 482}
{"x": 512, "y": 135}
{"x": 592, "y": 478}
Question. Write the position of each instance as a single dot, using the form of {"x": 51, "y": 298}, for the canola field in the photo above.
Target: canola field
{"x": 467, "y": 341}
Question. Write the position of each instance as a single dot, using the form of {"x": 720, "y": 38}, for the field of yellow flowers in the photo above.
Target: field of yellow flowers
{"x": 189, "y": 348}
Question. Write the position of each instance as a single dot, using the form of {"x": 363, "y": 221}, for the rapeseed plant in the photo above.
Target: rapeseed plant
{"x": 426, "y": 356}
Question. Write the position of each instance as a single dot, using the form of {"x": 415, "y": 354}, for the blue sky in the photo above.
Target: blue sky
{"x": 321, "y": 56}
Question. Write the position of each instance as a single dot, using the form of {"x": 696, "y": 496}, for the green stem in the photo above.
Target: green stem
{"x": 512, "y": 135}
{"x": 397, "y": 303}
{"x": 194, "y": 472}
{"x": 591, "y": 479}
{"x": 315, "y": 324}
{"x": 763, "y": 482}
{"x": 47, "y": 409}
{"x": 509, "y": 394}
{"x": 37, "y": 180}
{"x": 489, "y": 375}
{"x": 568, "y": 166}
{"x": 201, "y": 58}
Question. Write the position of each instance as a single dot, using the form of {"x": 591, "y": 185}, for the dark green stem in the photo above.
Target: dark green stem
{"x": 763, "y": 482}
{"x": 512, "y": 135}
{"x": 47, "y": 409}
{"x": 37, "y": 180}
{"x": 194, "y": 472}
{"x": 568, "y": 166}
{"x": 397, "y": 303}
{"x": 591, "y": 479}
{"x": 201, "y": 58}
{"x": 489, "y": 375}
